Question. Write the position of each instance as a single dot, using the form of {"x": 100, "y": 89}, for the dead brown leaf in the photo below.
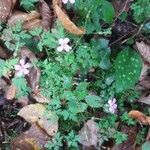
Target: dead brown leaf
{"x": 36, "y": 23}
{"x": 23, "y": 101}
{"x": 3, "y": 53}
{"x": 139, "y": 116}
{"x": 144, "y": 50}
{"x": 67, "y": 23}
{"x": 18, "y": 16}
{"x": 10, "y": 92}
{"x": 50, "y": 126}
{"x": 32, "y": 112}
{"x": 88, "y": 134}
{"x": 121, "y": 5}
{"x": 46, "y": 14}
{"x": 5, "y": 9}
{"x": 35, "y": 113}
{"x": 26, "y": 53}
{"x": 33, "y": 78}
{"x": 145, "y": 98}
{"x": 40, "y": 98}
{"x": 33, "y": 139}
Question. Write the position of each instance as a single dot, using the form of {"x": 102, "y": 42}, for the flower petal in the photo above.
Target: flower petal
{"x": 67, "y": 48}
{"x": 66, "y": 40}
{"x": 25, "y": 71}
{"x": 27, "y": 65}
{"x": 18, "y": 67}
{"x": 65, "y": 1}
{"x": 61, "y": 41}
{"x": 72, "y": 1}
{"x": 22, "y": 62}
{"x": 60, "y": 49}
{"x": 113, "y": 100}
{"x": 110, "y": 102}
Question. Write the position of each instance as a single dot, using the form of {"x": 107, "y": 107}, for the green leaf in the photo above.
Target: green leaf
{"x": 2, "y": 66}
{"x": 28, "y": 4}
{"x": 108, "y": 11}
{"x": 21, "y": 85}
{"x": 93, "y": 101}
{"x": 146, "y": 146}
{"x": 128, "y": 66}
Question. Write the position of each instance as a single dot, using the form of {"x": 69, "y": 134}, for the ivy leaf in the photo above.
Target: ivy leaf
{"x": 108, "y": 11}
{"x": 93, "y": 101}
{"x": 128, "y": 66}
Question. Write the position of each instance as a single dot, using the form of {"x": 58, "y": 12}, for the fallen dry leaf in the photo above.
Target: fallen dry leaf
{"x": 145, "y": 98}
{"x": 36, "y": 23}
{"x": 3, "y": 83}
{"x": 67, "y": 23}
{"x": 50, "y": 126}
{"x": 139, "y": 116}
{"x": 18, "y": 16}
{"x": 32, "y": 112}
{"x": 33, "y": 78}
{"x": 144, "y": 50}
{"x": 121, "y": 6}
{"x": 23, "y": 101}
{"x": 33, "y": 139}
{"x": 35, "y": 113}
{"x": 89, "y": 134}
{"x": 40, "y": 98}
{"x": 3, "y": 53}
{"x": 5, "y": 9}
{"x": 46, "y": 14}
{"x": 10, "y": 92}
{"x": 26, "y": 53}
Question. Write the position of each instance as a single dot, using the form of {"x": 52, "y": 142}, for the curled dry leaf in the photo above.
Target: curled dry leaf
{"x": 67, "y": 23}
{"x": 144, "y": 50}
{"x": 10, "y": 92}
{"x": 5, "y": 9}
{"x": 35, "y": 113}
{"x": 139, "y": 116}
{"x": 46, "y": 14}
{"x": 89, "y": 134}
{"x": 18, "y": 16}
{"x": 36, "y": 23}
{"x": 33, "y": 139}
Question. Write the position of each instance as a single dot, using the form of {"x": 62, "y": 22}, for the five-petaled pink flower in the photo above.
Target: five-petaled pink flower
{"x": 66, "y": 1}
{"x": 22, "y": 69}
{"x": 63, "y": 45}
{"x": 112, "y": 105}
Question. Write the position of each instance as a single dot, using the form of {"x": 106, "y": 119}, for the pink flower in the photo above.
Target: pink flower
{"x": 112, "y": 105}
{"x": 66, "y": 1}
{"x": 64, "y": 45}
{"x": 22, "y": 69}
